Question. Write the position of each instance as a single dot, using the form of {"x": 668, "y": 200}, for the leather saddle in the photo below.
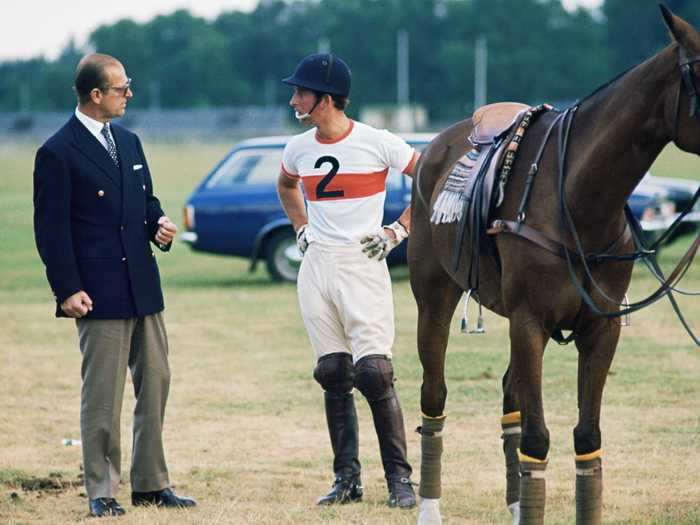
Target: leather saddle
{"x": 492, "y": 120}
{"x": 494, "y": 124}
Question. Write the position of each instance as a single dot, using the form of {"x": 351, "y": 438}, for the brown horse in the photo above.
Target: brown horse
{"x": 614, "y": 138}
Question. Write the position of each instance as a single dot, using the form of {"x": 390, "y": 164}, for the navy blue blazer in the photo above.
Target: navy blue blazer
{"x": 93, "y": 222}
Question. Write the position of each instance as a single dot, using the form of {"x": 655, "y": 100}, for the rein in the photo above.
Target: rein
{"x": 563, "y": 123}
{"x": 568, "y": 228}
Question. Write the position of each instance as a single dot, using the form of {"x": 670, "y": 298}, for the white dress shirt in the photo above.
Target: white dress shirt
{"x": 94, "y": 127}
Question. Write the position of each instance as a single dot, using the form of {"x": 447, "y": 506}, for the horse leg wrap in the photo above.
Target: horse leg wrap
{"x": 532, "y": 490}
{"x": 510, "y": 423}
{"x": 589, "y": 488}
{"x": 431, "y": 456}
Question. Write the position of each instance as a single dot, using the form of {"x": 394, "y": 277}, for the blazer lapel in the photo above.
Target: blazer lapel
{"x": 89, "y": 146}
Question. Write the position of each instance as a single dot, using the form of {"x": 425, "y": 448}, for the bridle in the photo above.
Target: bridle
{"x": 688, "y": 78}
{"x": 685, "y": 63}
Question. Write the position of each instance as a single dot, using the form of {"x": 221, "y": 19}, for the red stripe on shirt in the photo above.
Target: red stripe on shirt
{"x": 352, "y": 186}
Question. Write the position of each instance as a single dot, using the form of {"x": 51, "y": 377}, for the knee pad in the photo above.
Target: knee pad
{"x": 374, "y": 377}
{"x": 334, "y": 372}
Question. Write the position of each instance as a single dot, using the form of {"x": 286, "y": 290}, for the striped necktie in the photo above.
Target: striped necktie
{"x": 111, "y": 146}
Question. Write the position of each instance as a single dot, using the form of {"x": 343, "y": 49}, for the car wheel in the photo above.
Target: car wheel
{"x": 282, "y": 257}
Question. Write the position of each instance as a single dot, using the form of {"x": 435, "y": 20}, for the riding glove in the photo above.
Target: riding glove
{"x": 379, "y": 245}
{"x": 302, "y": 241}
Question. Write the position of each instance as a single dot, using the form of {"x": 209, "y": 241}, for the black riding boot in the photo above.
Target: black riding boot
{"x": 388, "y": 422}
{"x": 342, "y": 428}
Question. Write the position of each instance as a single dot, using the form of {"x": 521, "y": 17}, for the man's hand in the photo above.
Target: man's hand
{"x": 166, "y": 231}
{"x": 77, "y": 305}
{"x": 302, "y": 241}
{"x": 379, "y": 245}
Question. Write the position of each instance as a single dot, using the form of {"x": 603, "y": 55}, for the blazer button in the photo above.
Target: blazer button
{"x": 145, "y": 222}
{"x": 121, "y": 227}
{"x": 100, "y": 193}
{"x": 123, "y": 259}
{"x": 144, "y": 187}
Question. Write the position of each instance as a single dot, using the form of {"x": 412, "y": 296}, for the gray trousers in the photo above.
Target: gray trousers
{"x": 108, "y": 347}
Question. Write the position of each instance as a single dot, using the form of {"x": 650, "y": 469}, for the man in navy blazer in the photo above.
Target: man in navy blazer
{"x": 95, "y": 216}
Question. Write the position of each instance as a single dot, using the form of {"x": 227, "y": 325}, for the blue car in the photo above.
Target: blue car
{"x": 235, "y": 209}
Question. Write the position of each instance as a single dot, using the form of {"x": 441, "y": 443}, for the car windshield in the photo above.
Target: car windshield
{"x": 248, "y": 166}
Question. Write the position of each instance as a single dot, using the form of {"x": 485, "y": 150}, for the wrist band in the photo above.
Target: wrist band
{"x": 398, "y": 222}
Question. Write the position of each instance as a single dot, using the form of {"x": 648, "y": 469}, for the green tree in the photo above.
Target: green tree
{"x": 178, "y": 59}
{"x": 537, "y": 52}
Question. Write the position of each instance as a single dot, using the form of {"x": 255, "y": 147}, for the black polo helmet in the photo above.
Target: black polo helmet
{"x": 322, "y": 72}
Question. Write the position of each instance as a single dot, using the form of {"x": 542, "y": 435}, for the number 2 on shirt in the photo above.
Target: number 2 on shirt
{"x": 321, "y": 192}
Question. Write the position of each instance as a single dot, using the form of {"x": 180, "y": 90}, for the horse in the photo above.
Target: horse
{"x": 610, "y": 141}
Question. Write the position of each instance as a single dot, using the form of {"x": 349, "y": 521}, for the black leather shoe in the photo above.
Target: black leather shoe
{"x": 161, "y": 498}
{"x": 344, "y": 490}
{"x": 100, "y": 507}
{"x": 401, "y": 493}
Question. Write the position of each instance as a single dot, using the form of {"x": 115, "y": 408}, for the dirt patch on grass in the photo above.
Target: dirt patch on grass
{"x": 53, "y": 483}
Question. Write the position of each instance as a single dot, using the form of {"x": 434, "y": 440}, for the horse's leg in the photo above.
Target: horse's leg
{"x": 596, "y": 346}
{"x": 510, "y": 423}
{"x": 437, "y": 297}
{"x": 528, "y": 340}
{"x": 434, "y": 316}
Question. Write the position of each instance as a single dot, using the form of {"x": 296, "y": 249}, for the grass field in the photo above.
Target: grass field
{"x": 245, "y": 432}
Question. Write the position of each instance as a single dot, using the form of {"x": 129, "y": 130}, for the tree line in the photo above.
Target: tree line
{"x": 537, "y": 52}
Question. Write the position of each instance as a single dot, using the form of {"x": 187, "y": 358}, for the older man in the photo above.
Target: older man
{"x": 94, "y": 216}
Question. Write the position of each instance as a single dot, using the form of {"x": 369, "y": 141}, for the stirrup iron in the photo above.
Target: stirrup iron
{"x": 479, "y": 328}
{"x": 627, "y": 318}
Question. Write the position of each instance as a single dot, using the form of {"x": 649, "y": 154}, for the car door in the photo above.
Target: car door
{"x": 238, "y": 199}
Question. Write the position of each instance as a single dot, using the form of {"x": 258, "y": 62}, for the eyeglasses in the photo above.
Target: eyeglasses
{"x": 122, "y": 90}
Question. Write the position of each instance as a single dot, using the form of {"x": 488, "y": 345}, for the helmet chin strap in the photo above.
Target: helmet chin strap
{"x": 303, "y": 116}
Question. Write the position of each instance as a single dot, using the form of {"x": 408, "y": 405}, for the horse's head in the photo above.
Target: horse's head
{"x": 684, "y": 103}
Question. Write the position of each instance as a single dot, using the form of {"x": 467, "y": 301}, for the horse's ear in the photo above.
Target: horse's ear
{"x": 668, "y": 16}
{"x": 681, "y": 31}
{"x": 668, "y": 19}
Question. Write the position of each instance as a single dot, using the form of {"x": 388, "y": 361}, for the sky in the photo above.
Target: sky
{"x": 30, "y": 28}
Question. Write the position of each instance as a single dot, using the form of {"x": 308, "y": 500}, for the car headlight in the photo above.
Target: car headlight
{"x": 188, "y": 217}
{"x": 660, "y": 210}
{"x": 667, "y": 209}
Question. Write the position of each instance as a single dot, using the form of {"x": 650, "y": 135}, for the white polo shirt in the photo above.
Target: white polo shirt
{"x": 344, "y": 180}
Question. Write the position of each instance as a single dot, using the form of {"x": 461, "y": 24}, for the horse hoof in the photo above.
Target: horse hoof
{"x": 514, "y": 509}
{"x": 429, "y": 512}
